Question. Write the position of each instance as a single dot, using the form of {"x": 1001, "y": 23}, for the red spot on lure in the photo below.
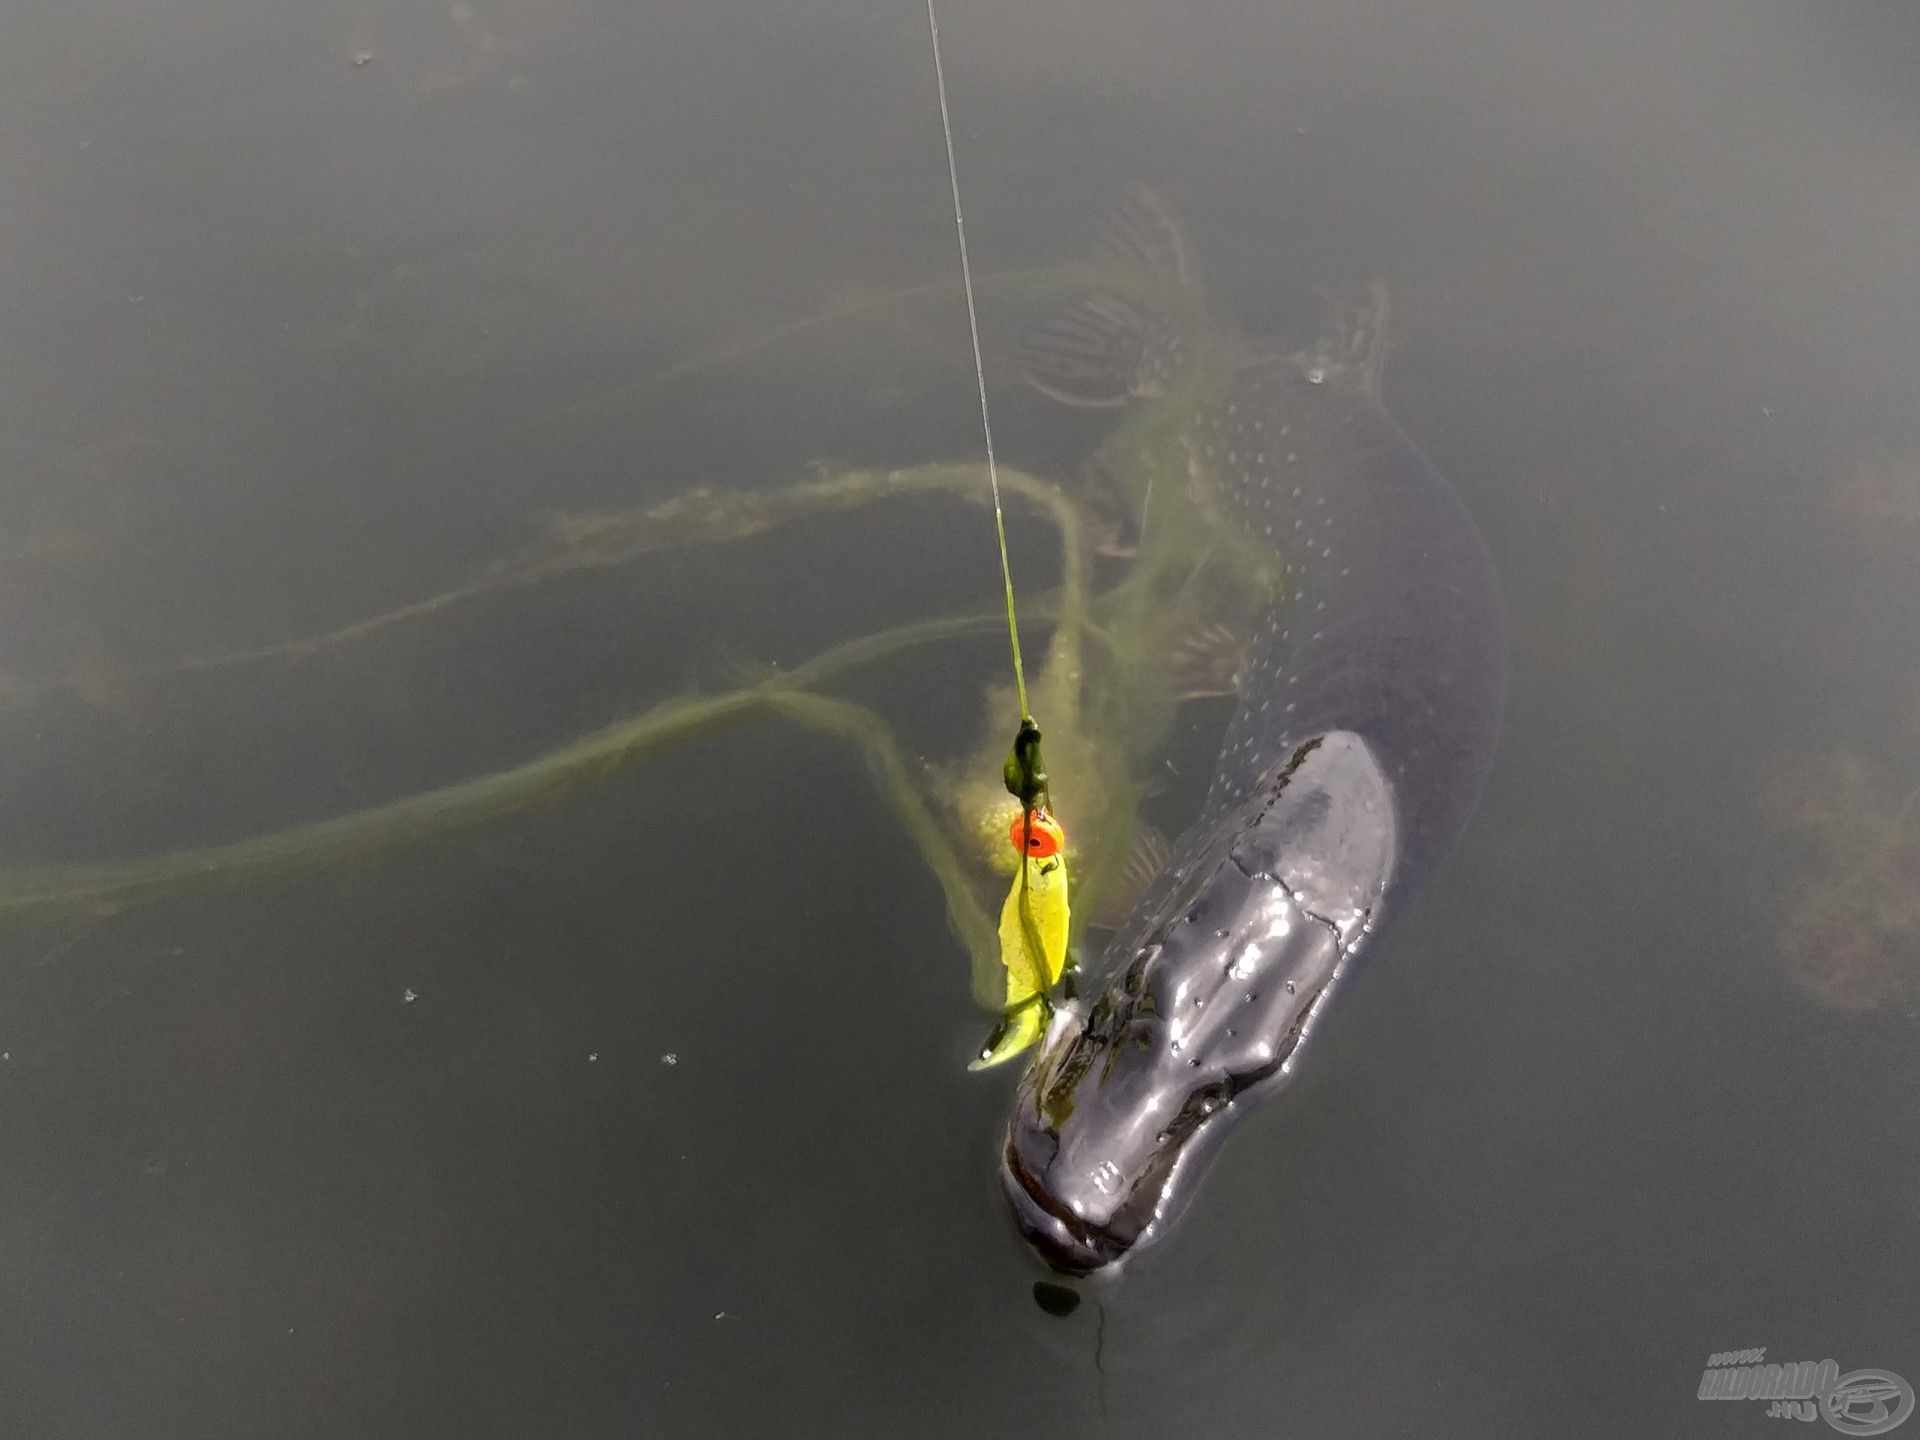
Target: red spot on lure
{"x": 1037, "y": 833}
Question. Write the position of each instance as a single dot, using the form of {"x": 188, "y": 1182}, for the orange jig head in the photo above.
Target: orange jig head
{"x": 1042, "y": 834}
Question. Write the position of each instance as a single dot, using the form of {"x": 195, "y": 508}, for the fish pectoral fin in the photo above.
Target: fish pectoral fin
{"x": 1017, "y": 1031}
{"x": 1141, "y": 230}
{"x": 1091, "y": 353}
{"x": 1121, "y": 340}
{"x": 1147, "y": 856}
{"x": 1210, "y": 661}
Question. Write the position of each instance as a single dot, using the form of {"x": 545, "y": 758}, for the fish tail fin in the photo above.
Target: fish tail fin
{"x": 1116, "y": 342}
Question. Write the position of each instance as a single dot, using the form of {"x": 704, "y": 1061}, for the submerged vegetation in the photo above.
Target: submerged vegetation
{"x": 1845, "y": 902}
{"x": 1849, "y": 925}
{"x": 1148, "y": 597}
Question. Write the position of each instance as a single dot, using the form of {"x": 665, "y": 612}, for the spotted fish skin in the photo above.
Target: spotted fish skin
{"x": 1391, "y": 626}
{"x": 1369, "y": 715}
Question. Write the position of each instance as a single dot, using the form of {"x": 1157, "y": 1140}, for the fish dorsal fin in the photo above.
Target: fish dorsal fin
{"x": 1140, "y": 230}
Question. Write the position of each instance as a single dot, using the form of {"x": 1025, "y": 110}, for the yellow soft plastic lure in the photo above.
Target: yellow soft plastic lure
{"x": 1033, "y": 934}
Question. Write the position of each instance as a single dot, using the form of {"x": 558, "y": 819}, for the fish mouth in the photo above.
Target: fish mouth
{"x": 1066, "y": 1243}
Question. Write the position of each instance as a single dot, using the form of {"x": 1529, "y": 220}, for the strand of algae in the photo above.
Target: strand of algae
{"x": 52, "y": 890}
{"x": 581, "y": 543}
{"x": 1033, "y": 282}
{"x": 415, "y": 819}
{"x": 698, "y": 516}
{"x": 867, "y": 732}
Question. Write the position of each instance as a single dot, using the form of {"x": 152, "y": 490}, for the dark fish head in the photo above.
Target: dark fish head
{"x": 1383, "y": 654}
{"x": 1130, "y": 1097}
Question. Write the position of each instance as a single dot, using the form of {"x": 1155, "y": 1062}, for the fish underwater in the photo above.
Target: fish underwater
{"x": 1370, "y": 703}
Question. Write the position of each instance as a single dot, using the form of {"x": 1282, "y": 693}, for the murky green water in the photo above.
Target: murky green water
{"x": 311, "y": 311}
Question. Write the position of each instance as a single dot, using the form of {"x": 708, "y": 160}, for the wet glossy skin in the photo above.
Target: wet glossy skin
{"x": 1365, "y": 731}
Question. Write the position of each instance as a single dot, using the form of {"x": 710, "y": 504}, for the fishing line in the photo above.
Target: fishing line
{"x": 1024, "y": 773}
{"x": 979, "y": 365}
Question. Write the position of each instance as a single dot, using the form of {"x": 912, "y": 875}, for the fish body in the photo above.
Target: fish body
{"x": 1369, "y": 712}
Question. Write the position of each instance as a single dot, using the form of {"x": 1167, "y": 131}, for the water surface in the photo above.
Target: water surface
{"x": 291, "y": 339}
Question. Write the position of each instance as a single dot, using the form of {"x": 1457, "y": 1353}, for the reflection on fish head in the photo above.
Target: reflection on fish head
{"x": 1130, "y": 1097}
